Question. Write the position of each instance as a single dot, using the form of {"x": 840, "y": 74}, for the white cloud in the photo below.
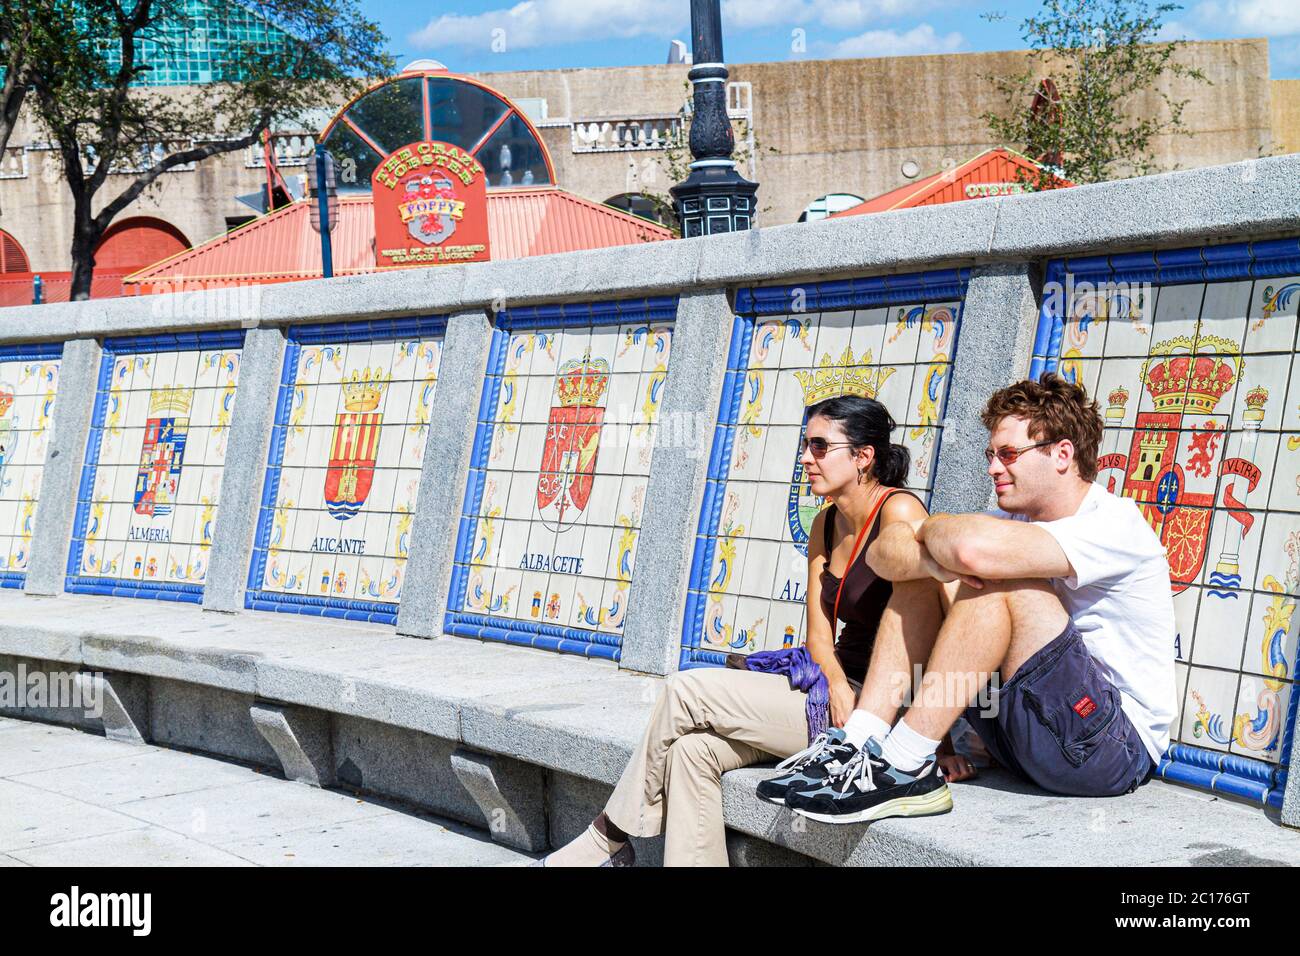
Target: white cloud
{"x": 918, "y": 40}
{"x": 834, "y": 14}
{"x": 751, "y": 14}
{"x": 1270, "y": 18}
{"x": 1176, "y": 30}
{"x": 854, "y": 14}
{"x": 536, "y": 23}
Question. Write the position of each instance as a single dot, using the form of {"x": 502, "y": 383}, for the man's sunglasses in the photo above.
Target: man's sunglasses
{"x": 819, "y": 446}
{"x": 1008, "y": 456}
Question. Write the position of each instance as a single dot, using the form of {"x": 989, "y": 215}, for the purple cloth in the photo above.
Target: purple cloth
{"x": 804, "y": 674}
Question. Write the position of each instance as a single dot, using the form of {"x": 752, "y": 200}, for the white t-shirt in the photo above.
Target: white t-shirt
{"x": 1120, "y": 600}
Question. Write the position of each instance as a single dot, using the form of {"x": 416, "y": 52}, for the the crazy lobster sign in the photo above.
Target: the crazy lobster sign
{"x": 430, "y": 203}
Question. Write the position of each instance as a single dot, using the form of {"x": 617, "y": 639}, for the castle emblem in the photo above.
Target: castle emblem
{"x": 162, "y": 453}
{"x": 354, "y": 444}
{"x": 1175, "y": 458}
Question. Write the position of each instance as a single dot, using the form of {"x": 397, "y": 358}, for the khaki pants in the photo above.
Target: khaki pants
{"x": 706, "y": 722}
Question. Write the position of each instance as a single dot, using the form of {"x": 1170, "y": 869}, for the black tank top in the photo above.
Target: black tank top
{"x": 863, "y": 603}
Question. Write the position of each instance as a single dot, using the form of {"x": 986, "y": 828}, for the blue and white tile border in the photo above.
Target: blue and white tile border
{"x": 255, "y": 597}
{"x": 1255, "y": 780}
{"x": 573, "y": 640}
{"x": 947, "y": 284}
{"x": 19, "y": 353}
{"x": 119, "y": 587}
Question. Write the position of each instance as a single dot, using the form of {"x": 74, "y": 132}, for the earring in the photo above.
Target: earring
{"x": 860, "y": 472}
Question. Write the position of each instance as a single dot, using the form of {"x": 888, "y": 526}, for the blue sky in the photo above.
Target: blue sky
{"x": 473, "y": 35}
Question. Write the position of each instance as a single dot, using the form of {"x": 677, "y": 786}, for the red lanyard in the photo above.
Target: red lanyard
{"x": 871, "y": 520}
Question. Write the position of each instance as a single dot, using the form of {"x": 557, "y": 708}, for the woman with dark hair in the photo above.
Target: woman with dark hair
{"x": 796, "y": 704}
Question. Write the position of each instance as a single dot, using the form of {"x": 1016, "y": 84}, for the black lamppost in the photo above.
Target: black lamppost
{"x": 714, "y": 197}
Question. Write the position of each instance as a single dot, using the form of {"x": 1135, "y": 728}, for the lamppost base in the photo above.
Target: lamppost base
{"x": 714, "y": 199}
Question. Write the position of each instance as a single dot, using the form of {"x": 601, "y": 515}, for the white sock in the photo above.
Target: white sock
{"x": 907, "y": 750}
{"x": 863, "y": 724}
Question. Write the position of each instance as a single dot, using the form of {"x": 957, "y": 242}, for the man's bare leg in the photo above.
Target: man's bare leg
{"x": 997, "y": 628}
{"x": 906, "y": 637}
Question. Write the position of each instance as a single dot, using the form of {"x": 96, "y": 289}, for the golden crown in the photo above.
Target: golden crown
{"x": 1118, "y": 399}
{"x": 176, "y": 400}
{"x": 832, "y": 378}
{"x": 582, "y": 381}
{"x": 1255, "y": 400}
{"x": 1180, "y": 381}
{"x": 362, "y": 392}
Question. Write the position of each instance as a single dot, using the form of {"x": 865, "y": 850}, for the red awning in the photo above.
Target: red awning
{"x": 282, "y": 246}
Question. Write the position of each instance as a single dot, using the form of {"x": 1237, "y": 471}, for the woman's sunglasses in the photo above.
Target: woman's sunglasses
{"x": 819, "y": 446}
{"x": 1008, "y": 456}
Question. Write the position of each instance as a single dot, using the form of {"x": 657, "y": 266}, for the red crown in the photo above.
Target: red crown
{"x": 1190, "y": 383}
{"x": 582, "y": 381}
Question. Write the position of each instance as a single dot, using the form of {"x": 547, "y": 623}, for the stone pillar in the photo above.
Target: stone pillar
{"x": 652, "y": 631}
{"x": 998, "y": 321}
{"x": 74, "y": 406}
{"x": 1291, "y": 798}
{"x": 244, "y": 474}
{"x": 447, "y": 451}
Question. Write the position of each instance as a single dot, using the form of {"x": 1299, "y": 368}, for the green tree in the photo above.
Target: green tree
{"x": 274, "y": 61}
{"x": 1082, "y": 104}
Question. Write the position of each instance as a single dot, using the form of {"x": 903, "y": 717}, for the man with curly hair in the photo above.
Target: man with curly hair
{"x": 1059, "y": 599}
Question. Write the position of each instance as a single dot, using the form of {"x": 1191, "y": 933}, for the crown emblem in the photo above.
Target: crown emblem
{"x": 582, "y": 381}
{"x": 1118, "y": 399}
{"x": 1255, "y": 400}
{"x": 175, "y": 400}
{"x": 833, "y": 378}
{"x": 1183, "y": 382}
{"x": 362, "y": 392}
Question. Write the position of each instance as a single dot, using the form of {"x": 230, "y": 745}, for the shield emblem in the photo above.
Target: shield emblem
{"x": 430, "y": 208}
{"x": 801, "y": 506}
{"x": 1174, "y": 459}
{"x": 353, "y": 446}
{"x": 568, "y": 468}
{"x": 354, "y": 443}
{"x": 162, "y": 455}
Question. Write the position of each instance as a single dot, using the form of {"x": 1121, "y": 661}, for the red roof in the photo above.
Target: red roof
{"x": 998, "y": 169}
{"x": 282, "y": 246}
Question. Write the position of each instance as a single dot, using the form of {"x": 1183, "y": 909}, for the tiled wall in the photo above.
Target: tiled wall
{"x": 1191, "y": 355}
{"x": 560, "y": 467}
{"x": 792, "y": 347}
{"x": 29, "y": 380}
{"x": 344, "y": 468}
{"x": 152, "y": 476}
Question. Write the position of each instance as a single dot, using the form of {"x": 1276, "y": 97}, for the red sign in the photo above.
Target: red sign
{"x": 430, "y": 203}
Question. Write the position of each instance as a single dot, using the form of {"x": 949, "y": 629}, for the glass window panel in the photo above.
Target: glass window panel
{"x": 390, "y": 115}
{"x": 461, "y": 113}
{"x": 351, "y": 153}
{"x": 513, "y": 156}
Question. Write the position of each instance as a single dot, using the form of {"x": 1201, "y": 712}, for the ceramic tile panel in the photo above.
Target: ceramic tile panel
{"x": 1199, "y": 396}
{"x": 151, "y": 482}
{"x": 749, "y": 578}
{"x": 343, "y": 471}
{"x": 561, "y": 467}
{"x": 29, "y": 381}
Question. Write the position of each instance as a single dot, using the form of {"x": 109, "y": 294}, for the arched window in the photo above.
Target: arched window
{"x": 430, "y": 103}
{"x": 12, "y": 256}
{"x": 639, "y": 204}
{"x": 138, "y": 242}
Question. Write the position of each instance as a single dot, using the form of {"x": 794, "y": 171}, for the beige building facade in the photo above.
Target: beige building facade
{"x": 807, "y": 128}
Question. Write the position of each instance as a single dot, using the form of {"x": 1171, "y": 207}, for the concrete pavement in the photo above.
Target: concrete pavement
{"x": 70, "y": 798}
